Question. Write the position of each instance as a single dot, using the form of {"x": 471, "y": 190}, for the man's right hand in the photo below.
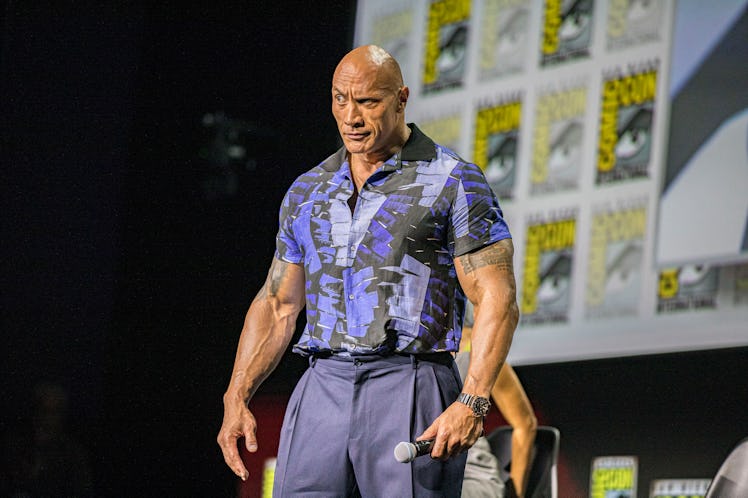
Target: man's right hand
{"x": 238, "y": 422}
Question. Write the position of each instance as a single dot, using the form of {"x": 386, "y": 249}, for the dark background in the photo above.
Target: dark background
{"x": 126, "y": 279}
{"x": 131, "y": 252}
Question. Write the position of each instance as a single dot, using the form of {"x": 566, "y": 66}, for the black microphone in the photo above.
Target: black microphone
{"x": 407, "y": 452}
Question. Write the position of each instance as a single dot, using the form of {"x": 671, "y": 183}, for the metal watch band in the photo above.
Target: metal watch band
{"x": 478, "y": 404}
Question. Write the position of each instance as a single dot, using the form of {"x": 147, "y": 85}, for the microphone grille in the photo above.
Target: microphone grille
{"x": 405, "y": 452}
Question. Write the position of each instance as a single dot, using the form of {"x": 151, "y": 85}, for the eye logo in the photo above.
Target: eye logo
{"x": 567, "y": 30}
{"x": 451, "y": 60}
{"x": 634, "y": 135}
{"x": 501, "y": 157}
{"x": 446, "y": 44}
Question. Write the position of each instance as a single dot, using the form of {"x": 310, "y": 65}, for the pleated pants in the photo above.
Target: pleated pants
{"x": 345, "y": 418}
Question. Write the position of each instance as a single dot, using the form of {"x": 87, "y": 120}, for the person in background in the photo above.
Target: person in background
{"x": 382, "y": 243}
{"x": 41, "y": 457}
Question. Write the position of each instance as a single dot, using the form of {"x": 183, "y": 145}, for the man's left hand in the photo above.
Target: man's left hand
{"x": 454, "y": 431}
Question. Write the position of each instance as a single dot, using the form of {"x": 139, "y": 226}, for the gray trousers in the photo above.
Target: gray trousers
{"x": 345, "y": 418}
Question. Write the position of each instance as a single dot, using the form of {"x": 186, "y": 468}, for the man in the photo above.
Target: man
{"x": 381, "y": 242}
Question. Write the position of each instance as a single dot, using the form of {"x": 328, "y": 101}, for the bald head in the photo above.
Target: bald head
{"x": 368, "y": 102}
{"x": 375, "y": 61}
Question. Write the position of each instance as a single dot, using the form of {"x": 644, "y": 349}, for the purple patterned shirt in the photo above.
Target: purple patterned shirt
{"x": 382, "y": 279}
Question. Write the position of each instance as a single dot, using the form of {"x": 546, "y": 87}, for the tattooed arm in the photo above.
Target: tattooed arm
{"x": 487, "y": 277}
{"x": 268, "y": 328}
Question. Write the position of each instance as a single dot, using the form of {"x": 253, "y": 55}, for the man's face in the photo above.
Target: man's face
{"x": 368, "y": 108}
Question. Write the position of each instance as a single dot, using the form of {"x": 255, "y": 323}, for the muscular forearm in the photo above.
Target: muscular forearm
{"x": 487, "y": 277}
{"x": 268, "y": 327}
{"x": 263, "y": 341}
{"x": 492, "y": 336}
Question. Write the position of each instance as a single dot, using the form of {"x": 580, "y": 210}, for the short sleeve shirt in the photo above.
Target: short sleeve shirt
{"x": 381, "y": 278}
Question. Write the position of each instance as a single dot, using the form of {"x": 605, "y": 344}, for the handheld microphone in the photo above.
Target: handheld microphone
{"x": 407, "y": 452}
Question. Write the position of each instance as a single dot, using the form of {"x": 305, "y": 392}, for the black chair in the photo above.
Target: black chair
{"x": 542, "y": 481}
{"x": 732, "y": 476}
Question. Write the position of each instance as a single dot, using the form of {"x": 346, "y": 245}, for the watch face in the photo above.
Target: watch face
{"x": 481, "y": 406}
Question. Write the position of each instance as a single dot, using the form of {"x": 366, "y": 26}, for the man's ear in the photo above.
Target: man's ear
{"x": 403, "y": 97}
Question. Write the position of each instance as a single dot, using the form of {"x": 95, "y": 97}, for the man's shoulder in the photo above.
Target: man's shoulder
{"x": 446, "y": 153}
{"x": 451, "y": 162}
{"x": 333, "y": 162}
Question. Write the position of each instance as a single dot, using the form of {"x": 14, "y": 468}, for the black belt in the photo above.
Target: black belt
{"x": 442, "y": 358}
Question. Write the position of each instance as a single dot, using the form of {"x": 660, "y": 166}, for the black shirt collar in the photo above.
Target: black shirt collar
{"x": 419, "y": 147}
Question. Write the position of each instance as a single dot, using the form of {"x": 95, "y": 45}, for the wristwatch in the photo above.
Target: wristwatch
{"x": 478, "y": 404}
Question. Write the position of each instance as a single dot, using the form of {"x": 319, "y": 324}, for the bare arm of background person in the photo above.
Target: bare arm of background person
{"x": 512, "y": 401}
{"x": 487, "y": 278}
{"x": 268, "y": 327}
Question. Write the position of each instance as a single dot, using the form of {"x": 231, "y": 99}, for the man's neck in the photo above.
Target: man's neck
{"x": 362, "y": 168}
{"x": 363, "y": 165}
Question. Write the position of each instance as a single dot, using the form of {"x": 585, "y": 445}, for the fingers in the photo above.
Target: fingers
{"x": 454, "y": 431}
{"x": 250, "y": 441}
{"x": 443, "y": 447}
{"x": 446, "y": 446}
{"x": 429, "y": 433}
{"x": 227, "y": 440}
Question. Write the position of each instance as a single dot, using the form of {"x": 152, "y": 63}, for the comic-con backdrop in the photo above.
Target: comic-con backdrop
{"x": 617, "y": 147}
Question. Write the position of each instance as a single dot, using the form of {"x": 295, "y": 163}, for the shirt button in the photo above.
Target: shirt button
{"x": 350, "y": 296}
